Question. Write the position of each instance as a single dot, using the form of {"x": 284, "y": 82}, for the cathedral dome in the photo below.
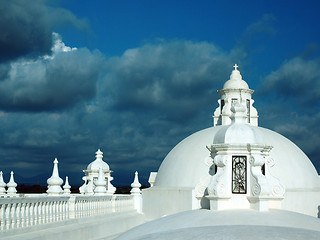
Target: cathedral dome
{"x": 189, "y": 162}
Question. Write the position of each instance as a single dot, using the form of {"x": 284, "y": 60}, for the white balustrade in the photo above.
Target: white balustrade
{"x": 28, "y": 211}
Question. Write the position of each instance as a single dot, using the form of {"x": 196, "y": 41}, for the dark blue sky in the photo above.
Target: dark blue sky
{"x": 136, "y": 77}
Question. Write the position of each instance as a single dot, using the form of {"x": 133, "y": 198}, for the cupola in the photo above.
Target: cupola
{"x": 235, "y": 90}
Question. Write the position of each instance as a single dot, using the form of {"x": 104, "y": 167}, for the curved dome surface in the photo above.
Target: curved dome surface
{"x": 95, "y": 165}
{"x": 188, "y": 162}
{"x": 236, "y": 133}
{"x": 231, "y": 84}
{"x": 231, "y": 224}
{"x": 235, "y": 81}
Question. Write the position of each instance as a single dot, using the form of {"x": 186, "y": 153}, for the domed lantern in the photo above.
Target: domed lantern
{"x": 92, "y": 173}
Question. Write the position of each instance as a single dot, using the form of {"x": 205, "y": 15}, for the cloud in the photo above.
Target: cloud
{"x": 256, "y": 35}
{"x": 297, "y": 79}
{"x": 166, "y": 76}
{"x": 290, "y": 103}
{"x": 51, "y": 82}
{"x": 27, "y": 26}
{"x": 149, "y": 99}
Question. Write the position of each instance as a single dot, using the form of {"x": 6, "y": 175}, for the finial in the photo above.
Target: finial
{"x": 100, "y": 184}
{"x": 135, "y": 185}
{"x": 136, "y": 193}
{"x": 99, "y": 155}
{"x": 66, "y": 187}
{"x": 2, "y": 185}
{"x": 12, "y": 191}
{"x": 235, "y": 67}
{"x": 54, "y": 182}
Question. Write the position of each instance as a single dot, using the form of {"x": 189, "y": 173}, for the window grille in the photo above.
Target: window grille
{"x": 239, "y": 174}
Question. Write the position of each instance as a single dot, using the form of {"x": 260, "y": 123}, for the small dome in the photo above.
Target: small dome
{"x": 235, "y": 81}
{"x": 239, "y": 131}
{"x": 98, "y": 163}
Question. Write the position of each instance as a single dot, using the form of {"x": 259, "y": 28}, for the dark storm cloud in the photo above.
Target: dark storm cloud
{"x": 51, "y": 83}
{"x": 26, "y": 27}
{"x": 131, "y": 119}
{"x": 176, "y": 78}
{"x": 37, "y": 71}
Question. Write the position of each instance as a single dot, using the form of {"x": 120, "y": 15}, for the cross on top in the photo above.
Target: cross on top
{"x": 235, "y": 67}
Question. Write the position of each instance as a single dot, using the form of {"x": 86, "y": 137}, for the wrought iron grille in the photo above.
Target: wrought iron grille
{"x": 239, "y": 174}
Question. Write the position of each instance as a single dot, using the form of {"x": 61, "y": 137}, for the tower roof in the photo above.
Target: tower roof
{"x": 98, "y": 163}
{"x": 235, "y": 81}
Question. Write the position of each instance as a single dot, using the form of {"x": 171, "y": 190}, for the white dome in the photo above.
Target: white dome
{"x": 188, "y": 162}
{"x": 98, "y": 163}
{"x": 235, "y": 81}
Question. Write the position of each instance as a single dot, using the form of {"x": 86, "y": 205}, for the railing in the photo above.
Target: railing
{"x": 20, "y": 212}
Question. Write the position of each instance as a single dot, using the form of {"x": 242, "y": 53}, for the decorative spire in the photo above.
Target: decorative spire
{"x": 66, "y": 187}
{"x": 99, "y": 155}
{"x": 136, "y": 193}
{"x": 55, "y": 182}
{"x": 2, "y": 185}
{"x": 135, "y": 185}
{"x": 12, "y": 191}
{"x": 100, "y": 184}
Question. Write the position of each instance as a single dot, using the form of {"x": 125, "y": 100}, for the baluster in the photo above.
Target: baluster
{"x": 36, "y": 213}
{"x": 8, "y": 216}
{"x": 59, "y": 210}
{"x": 79, "y": 211}
{"x": 49, "y": 212}
{"x": 29, "y": 220}
{"x": 19, "y": 215}
{"x": 46, "y": 212}
{"x": 14, "y": 215}
{"x": 23, "y": 214}
{"x": 40, "y": 212}
{"x": 43, "y": 212}
{"x": 2, "y": 216}
{"x": 33, "y": 214}
{"x": 55, "y": 210}
{"x": 65, "y": 212}
{"x": 40, "y": 216}
{"x": 86, "y": 207}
